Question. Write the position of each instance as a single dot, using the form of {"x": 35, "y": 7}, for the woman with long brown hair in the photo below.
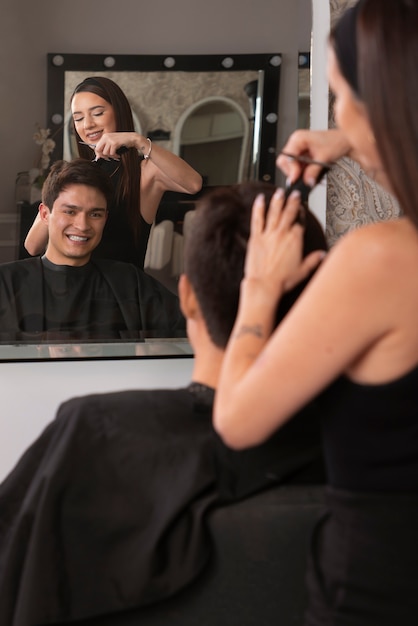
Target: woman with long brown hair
{"x": 141, "y": 171}
{"x": 352, "y": 337}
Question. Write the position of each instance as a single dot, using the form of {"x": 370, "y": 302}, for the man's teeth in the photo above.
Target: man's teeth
{"x": 76, "y": 238}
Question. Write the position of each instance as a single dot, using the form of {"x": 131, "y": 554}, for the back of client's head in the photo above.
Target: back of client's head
{"x": 76, "y": 172}
{"x": 215, "y": 251}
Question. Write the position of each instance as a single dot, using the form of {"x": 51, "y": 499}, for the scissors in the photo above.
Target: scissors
{"x": 119, "y": 151}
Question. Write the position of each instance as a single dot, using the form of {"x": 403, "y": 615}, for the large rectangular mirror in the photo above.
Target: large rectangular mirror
{"x": 246, "y": 94}
{"x": 218, "y": 112}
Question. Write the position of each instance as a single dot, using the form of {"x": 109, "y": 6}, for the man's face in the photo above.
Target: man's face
{"x": 75, "y": 224}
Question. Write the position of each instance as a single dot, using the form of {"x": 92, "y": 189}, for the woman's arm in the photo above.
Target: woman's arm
{"x": 325, "y": 146}
{"x": 168, "y": 171}
{"x": 37, "y": 238}
{"x": 162, "y": 171}
{"x": 344, "y": 312}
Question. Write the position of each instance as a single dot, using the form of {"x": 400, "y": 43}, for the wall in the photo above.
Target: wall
{"x": 31, "y": 392}
{"x": 29, "y": 30}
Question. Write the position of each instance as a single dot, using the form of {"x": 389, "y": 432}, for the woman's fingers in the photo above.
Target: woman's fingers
{"x": 108, "y": 145}
{"x": 307, "y": 266}
{"x": 279, "y": 215}
{"x": 258, "y": 214}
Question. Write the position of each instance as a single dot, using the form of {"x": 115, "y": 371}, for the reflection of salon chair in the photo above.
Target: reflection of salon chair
{"x": 164, "y": 256}
{"x": 256, "y": 575}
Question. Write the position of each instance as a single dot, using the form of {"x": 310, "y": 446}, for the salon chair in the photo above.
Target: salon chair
{"x": 256, "y": 574}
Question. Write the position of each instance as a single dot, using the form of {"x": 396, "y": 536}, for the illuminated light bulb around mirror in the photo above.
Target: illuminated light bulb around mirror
{"x": 275, "y": 60}
{"x": 271, "y": 118}
{"x": 57, "y": 118}
{"x": 169, "y": 62}
{"x": 109, "y": 62}
{"x": 227, "y": 62}
{"x": 266, "y": 178}
{"x": 303, "y": 60}
{"x": 58, "y": 60}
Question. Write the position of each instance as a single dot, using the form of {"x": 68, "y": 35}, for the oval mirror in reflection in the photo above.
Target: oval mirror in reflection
{"x": 213, "y": 136}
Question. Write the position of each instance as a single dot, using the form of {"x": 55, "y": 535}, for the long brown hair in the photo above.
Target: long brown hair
{"x": 128, "y": 186}
{"x": 386, "y": 38}
{"x": 388, "y": 80}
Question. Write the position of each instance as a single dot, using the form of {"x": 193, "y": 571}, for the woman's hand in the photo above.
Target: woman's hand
{"x": 322, "y": 146}
{"x": 274, "y": 262}
{"x": 109, "y": 144}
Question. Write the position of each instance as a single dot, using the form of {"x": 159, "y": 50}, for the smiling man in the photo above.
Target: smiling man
{"x": 65, "y": 294}
{"x": 75, "y": 225}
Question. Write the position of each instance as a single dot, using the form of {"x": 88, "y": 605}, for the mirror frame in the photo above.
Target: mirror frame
{"x": 267, "y": 116}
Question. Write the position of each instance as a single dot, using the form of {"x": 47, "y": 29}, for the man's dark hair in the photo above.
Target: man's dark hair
{"x": 215, "y": 249}
{"x": 77, "y": 172}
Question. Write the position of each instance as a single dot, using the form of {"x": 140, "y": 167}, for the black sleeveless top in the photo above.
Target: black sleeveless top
{"x": 370, "y": 434}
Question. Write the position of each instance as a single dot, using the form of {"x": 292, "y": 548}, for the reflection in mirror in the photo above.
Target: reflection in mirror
{"x": 162, "y": 90}
{"x": 304, "y": 99}
{"x": 211, "y": 132}
{"x": 70, "y": 150}
{"x": 214, "y": 140}
{"x": 197, "y": 107}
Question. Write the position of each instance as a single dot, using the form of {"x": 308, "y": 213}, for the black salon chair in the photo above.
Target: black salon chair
{"x": 256, "y": 575}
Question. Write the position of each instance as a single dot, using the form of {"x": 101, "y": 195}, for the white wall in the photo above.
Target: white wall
{"x": 31, "y": 392}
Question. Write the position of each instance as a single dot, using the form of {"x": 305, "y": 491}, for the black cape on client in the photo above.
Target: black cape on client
{"x": 106, "y": 510}
{"x": 100, "y": 300}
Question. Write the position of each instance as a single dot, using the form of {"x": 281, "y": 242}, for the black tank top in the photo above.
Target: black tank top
{"x": 118, "y": 240}
{"x": 371, "y": 434}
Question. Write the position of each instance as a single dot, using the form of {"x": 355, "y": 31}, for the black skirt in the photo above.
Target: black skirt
{"x": 363, "y": 566}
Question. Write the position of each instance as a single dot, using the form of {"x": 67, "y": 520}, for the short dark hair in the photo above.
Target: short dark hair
{"x": 76, "y": 172}
{"x": 215, "y": 249}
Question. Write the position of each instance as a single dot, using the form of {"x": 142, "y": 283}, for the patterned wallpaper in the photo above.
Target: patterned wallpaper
{"x": 353, "y": 199}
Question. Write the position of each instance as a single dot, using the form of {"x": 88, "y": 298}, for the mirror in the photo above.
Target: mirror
{"x": 159, "y": 123}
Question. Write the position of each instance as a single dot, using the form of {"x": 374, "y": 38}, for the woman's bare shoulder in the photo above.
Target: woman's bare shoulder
{"x": 381, "y": 242}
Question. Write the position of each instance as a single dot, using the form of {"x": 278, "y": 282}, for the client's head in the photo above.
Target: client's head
{"x": 75, "y": 200}
{"x": 76, "y": 172}
{"x": 215, "y": 249}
